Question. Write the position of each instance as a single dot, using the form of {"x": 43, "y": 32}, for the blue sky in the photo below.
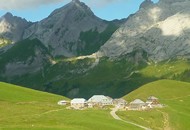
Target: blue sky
{"x": 35, "y": 10}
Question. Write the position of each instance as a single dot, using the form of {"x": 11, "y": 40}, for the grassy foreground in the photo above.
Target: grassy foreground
{"x": 22, "y": 108}
{"x": 176, "y": 114}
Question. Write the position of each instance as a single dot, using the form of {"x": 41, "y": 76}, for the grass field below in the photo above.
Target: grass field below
{"x": 22, "y": 108}
{"x": 174, "y": 95}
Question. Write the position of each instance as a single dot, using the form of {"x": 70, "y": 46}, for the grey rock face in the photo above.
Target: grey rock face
{"x": 60, "y": 32}
{"x": 162, "y": 30}
{"x": 21, "y": 68}
{"x": 34, "y": 61}
{"x": 12, "y": 27}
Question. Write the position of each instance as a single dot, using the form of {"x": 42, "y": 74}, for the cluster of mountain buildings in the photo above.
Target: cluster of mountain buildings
{"x": 102, "y": 101}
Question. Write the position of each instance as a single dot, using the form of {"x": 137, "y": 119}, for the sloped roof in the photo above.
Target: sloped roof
{"x": 120, "y": 100}
{"x": 149, "y": 102}
{"x": 98, "y": 98}
{"x": 78, "y": 100}
{"x": 137, "y": 101}
{"x": 152, "y": 98}
{"x": 62, "y": 101}
{"x": 109, "y": 98}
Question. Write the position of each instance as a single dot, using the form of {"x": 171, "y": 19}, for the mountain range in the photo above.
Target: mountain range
{"x": 74, "y": 53}
{"x": 69, "y": 31}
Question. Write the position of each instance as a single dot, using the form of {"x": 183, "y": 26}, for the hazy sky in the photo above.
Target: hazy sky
{"x": 35, "y": 10}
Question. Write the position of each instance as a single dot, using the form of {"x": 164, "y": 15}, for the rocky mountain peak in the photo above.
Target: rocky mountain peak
{"x": 146, "y": 3}
{"x": 11, "y": 19}
{"x": 8, "y": 15}
{"x": 62, "y": 29}
{"x": 73, "y": 9}
{"x": 76, "y": 5}
{"x": 76, "y": 1}
{"x": 12, "y": 27}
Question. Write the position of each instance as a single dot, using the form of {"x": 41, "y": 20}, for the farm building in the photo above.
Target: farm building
{"x": 153, "y": 102}
{"x": 100, "y": 100}
{"x": 63, "y": 102}
{"x": 78, "y": 103}
{"x": 137, "y": 104}
{"x": 120, "y": 103}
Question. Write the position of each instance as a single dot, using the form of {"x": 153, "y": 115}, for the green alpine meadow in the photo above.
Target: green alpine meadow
{"x": 23, "y": 108}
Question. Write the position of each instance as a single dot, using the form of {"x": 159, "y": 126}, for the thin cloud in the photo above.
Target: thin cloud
{"x": 25, "y": 4}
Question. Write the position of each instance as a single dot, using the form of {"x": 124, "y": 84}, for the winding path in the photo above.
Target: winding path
{"x": 166, "y": 120}
{"x": 115, "y": 116}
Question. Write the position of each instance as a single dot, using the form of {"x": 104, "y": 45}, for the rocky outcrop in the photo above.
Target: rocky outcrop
{"x": 161, "y": 30}
{"x": 12, "y": 27}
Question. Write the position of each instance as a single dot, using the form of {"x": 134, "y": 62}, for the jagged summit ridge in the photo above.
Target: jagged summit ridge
{"x": 12, "y": 27}
{"x": 7, "y": 15}
{"x": 73, "y": 5}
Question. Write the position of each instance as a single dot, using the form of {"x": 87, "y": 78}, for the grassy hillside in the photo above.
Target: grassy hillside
{"x": 166, "y": 69}
{"x": 13, "y": 93}
{"x": 174, "y": 94}
{"x": 22, "y": 108}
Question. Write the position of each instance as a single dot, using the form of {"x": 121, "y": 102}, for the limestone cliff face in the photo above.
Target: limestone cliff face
{"x": 12, "y": 27}
{"x": 60, "y": 31}
{"x": 162, "y": 30}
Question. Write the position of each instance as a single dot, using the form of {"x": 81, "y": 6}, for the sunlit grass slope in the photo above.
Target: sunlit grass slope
{"x": 174, "y": 95}
{"x": 22, "y": 108}
{"x": 166, "y": 69}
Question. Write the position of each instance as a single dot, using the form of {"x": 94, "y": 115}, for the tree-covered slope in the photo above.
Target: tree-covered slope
{"x": 24, "y": 57}
{"x": 93, "y": 39}
{"x": 76, "y": 77}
